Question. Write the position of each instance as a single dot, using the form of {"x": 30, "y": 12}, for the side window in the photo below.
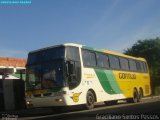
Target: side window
{"x": 124, "y": 63}
{"x": 72, "y": 53}
{"x": 132, "y": 65}
{"x": 102, "y": 60}
{"x": 114, "y": 62}
{"x": 139, "y": 69}
{"x": 142, "y": 67}
{"x": 89, "y": 58}
{"x": 145, "y": 67}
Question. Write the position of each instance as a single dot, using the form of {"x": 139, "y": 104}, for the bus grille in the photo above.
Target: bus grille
{"x": 147, "y": 89}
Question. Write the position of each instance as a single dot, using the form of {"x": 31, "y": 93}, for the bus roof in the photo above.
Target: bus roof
{"x": 91, "y": 48}
{"x": 66, "y": 44}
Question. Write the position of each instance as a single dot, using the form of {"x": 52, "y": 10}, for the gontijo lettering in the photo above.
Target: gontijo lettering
{"x": 127, "y": 76}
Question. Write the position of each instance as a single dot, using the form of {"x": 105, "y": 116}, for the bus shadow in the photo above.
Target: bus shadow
{"x": 33, "y": 112}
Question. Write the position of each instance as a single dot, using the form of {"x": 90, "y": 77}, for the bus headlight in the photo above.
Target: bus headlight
{"x": 58, "y": 100}
{"x": 29, "y": 104}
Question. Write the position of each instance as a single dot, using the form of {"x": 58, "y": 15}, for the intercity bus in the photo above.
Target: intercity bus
{"x": 72, "y": 74}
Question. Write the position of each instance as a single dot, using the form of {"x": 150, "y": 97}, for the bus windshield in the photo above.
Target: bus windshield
{"x": 46, "y": 55}
{"x": 45, "y": 69}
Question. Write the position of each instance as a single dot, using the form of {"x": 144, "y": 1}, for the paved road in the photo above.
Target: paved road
{"x": 148, "y": 109}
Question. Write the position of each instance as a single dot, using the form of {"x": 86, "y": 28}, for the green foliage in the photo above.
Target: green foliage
{"x": 150, "y": 50}
{"x": 157, "y": 90}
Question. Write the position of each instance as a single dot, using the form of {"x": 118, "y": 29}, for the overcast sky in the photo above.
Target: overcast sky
{"x": 108, "y": 24}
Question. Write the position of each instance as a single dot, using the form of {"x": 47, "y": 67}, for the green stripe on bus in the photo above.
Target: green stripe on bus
{"x": 88, "y": 48}
{"x": 93, "y": 49}
{"x": 104, "y": 81}
{"x": 113, "y": 81}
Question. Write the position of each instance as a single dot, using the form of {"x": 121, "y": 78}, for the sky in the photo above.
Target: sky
{"x": 108, "y": 24}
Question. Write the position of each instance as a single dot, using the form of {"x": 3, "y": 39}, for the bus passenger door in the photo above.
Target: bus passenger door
{"x": 73, "y": 67}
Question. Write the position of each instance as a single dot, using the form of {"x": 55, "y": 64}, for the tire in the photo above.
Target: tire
{"x": 140, "y": 95}
{"x": 135, "y": 98}
{"x": 90, "y": 99}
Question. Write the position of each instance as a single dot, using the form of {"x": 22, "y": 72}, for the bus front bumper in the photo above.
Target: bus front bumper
{"x": 45, "y": 102}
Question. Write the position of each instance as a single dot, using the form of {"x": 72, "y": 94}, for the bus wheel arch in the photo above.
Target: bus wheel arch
{"x": 90, "y": 99}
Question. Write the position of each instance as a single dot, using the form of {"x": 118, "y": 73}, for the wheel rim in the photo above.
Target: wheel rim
{"x": 90, "y": 99}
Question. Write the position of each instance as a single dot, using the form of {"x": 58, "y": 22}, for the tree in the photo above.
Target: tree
{"x": 150, "y": 50}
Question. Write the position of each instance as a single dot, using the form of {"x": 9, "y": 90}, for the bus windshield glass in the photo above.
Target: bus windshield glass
{"x": 46, "y": 55}
{"x": 45, "y": 69}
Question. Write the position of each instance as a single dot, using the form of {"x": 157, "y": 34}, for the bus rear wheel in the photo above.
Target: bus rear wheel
{"x": 90, "y": 99}
{"x": 140, "y": 95}
{"x": 135, "y": 97}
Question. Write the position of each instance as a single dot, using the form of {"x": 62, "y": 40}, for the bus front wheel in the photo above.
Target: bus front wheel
{"x": 90, "y": 99}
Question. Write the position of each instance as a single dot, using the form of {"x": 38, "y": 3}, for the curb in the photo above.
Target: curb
{"x": 151, "y": 97}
